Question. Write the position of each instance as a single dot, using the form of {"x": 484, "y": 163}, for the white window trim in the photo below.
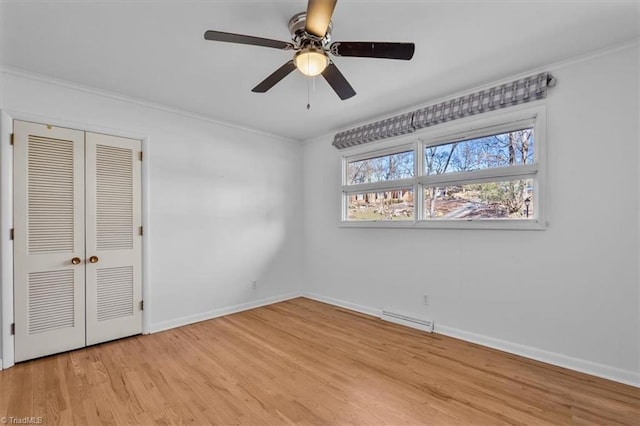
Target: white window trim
{"x": 484, "y": 175}
{"x": 379, "y": 186}
{"x": 500, "y": 121}
{"x": 396, "y": 149}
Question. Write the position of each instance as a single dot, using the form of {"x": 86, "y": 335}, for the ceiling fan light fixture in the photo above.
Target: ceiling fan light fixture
{"x": 311, "y": 61}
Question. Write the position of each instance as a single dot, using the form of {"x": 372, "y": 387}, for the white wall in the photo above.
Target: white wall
{"x": 568, "y": 294}
{"x": 224, "y": 202}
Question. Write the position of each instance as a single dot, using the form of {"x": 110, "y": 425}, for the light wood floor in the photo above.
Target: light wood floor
{"x": 303, "y": 362}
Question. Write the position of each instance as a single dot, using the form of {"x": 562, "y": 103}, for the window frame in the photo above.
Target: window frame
{"x": 491, "y": 123}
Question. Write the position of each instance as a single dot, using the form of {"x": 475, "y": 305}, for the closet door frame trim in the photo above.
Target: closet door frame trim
{"x": 6, "y": 218}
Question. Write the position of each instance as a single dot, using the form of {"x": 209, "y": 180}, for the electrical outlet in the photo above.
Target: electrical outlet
{"x": 254, "y": 284}
{"x": 426, "y": 300}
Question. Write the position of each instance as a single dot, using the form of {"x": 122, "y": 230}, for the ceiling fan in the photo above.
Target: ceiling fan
{"x": 311, "y": 42}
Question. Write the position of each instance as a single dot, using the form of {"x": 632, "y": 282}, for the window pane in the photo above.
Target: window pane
{"x": 388, "y": 205}
{"x": 493, "y": 200}
{"x": 504, "y": 149}
{"x": 383, "y": 168}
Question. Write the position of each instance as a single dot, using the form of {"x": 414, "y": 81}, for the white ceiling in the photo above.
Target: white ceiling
{"x": 155, "y": 51}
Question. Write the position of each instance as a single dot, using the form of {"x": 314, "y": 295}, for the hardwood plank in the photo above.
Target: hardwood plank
{"x": 305, "y": 362}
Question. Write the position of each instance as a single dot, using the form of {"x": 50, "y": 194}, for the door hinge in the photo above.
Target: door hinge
{"x": 11, "y": 140}
{"x": 11, "y": 234}
{"x": 142, "y": 305}
{"x": 140, "y": 155}
{"x": 141, "y": 230}
{"x": 13, "y": 329}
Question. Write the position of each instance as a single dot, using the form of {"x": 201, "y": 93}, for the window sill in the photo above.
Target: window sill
{"x": 495, "y": 224}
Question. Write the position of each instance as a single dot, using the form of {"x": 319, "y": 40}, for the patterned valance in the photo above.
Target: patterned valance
{"x": 524, "y": 90}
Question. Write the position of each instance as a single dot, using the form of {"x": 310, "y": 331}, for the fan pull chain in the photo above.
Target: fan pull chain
{"x": 308, "y": 93}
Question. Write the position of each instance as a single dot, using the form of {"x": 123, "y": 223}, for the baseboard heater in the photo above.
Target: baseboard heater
{"x": 413, "y": 322}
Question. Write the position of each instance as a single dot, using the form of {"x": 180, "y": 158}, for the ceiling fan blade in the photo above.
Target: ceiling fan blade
{"x": 372, "y": 49}
{"x": 337, "y": 81}
{"x": 245, "y": 39}
{"x": 318, "y": 16}
{"x": 274, "y": 78}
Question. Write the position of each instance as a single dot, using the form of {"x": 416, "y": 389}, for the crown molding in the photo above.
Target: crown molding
{"x": 41, "y": 78}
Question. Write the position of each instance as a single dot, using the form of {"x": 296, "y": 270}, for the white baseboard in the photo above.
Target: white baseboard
{"x": 203, "y": 316}
{"x": 600, "y": 370}
{"x": 343, "y": 304}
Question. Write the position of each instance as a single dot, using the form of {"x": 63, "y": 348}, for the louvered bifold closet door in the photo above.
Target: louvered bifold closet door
{"x": 49, "y": 234}
{"x": 114, "y": 252}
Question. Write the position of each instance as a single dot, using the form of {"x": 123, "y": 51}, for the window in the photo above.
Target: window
{"x": 387, "y": 205}
{"x": 381, "y": 186}
{"x": 483, "y": 174}
{"x": 498, "y": 156}
{"x": 381, "y": 168}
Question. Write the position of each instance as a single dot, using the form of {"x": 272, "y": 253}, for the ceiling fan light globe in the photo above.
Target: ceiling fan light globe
{"x": 311, "y": 62}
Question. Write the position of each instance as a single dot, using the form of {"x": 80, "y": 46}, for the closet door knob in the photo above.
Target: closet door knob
{"x": 93, "y": 259}
{"x": 76, "y": 261}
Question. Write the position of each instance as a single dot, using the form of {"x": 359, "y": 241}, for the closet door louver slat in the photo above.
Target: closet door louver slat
{"x": 50, "y": 189}
{"x": 114, "y": 198}
{"x": 51, "y": 301}
{"x": 115, "y": 292}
